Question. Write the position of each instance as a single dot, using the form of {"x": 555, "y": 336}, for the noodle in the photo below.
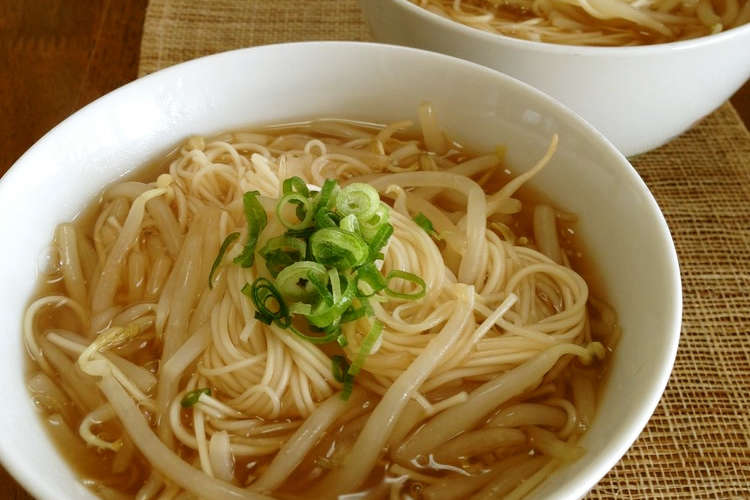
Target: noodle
{"x": 473, "y": 369}
{"x": 595, "y": 22}
{"x": 295, "y": 449}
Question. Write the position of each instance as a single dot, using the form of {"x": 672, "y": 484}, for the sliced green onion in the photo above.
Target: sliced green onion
{"x": 323, "y": 264}
{"x": 294, "y": 283}
{"x": 346, "y": 391}
{"x": 325, "y": 218}
{"x": 327, "y": 197}
{"x": 340, "y": 249}
{"x": 269, "y": 304}
{"x": 426, "y": 224}
{"x": 369, "y": 227}
{"x": 335, "y": 329}
{"x": 192, "y": 397}
{"x": 320, "y": 285}
{"x": 303, "y": 211}
{"x": 333, "y": 279}
{"x": 285, "y": 244}
{"x": 300, "y": 308}
{"x": 295, "y": 185}
{"x": 328, "y": 315}
{"x": 222, "y": 250}
{"x": 406, "y": 276}
{"x": 324, "y": 315}
{"x": 283, "y": 251}
{"x": 366, "y": 306}
{"x": 329, "y": 336}
{"x": 379, "y": 240}
{"x": 353, "y": 314}
{"x": 358, "y": 199}
{"x": 349, "y": 223}
{"x": 366, "y": 347}
{"x": 256, "y": 218}
{"x": 369, "y": 276}
{"x": 301, "y": 233}
{"x": 340, "y": 366}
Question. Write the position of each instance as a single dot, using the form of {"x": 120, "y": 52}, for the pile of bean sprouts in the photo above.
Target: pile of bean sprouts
{"x": 596, "y": 22}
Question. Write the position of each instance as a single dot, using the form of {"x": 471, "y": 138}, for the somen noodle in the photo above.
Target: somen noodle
{"x": 596, "y": 22}
{"x": 317, "y": 309}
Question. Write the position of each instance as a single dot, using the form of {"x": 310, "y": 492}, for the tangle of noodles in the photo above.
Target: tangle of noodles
{"x": 482, "y": 386}
{"x": 596, "y": 22}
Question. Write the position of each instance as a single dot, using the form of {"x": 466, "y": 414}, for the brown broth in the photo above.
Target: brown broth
{"x": 94, "y": 467}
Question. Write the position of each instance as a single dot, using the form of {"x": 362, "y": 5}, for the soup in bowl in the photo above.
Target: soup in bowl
{"x": 407, "y": 294}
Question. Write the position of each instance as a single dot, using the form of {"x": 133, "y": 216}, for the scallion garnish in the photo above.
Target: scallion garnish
{"x": 358, "y": 199}
{"x": 222, "y": 250}
{"x": 426, "y": 224}
{"x": 294, "y": 283}
{"x": 300, "y": 308}
{"x": 323, "y": 266}
{"x": 333, "y": 279}
{"x": 329, "y": 312}
{"x": 303, "y": 211}
{"x": 327, "y": 195}
{"x": 326, "y": 218}
{"x": 340, "y": 369}
{"x": 354, "y": 313}
{"x": 283, "y": 251}
{"x": 340, "y": 249}
{"x": 406, "y": 276}
{"x": 324, "y": 295}
{"x": 379, "y": 240}
{"x": 327, "y": 337}
{"x": 269, "y": 304}
{"x": 295, "y": 185}
{"x": 369, "y": 280}
{"x": 255, "y": 216}
{"x": 369, "y": 227}
{"x": 192, "y": 397}
{"x": 346, "y": 391}
{"x": 366, "y": 348}
{"x": 350, "y": 223}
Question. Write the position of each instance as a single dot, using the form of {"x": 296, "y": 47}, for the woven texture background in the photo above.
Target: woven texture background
{"x": 697, "y": 444}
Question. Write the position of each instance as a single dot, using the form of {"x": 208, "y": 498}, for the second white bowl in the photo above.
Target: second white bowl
{"x": 639, "y": 97}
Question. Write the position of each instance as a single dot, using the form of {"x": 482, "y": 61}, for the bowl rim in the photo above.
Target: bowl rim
{"x": 559, "y": 48}
{"x": 590, "y": 476}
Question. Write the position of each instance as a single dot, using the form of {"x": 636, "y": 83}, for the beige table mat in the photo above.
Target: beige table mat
{"x": 697, "y": 444}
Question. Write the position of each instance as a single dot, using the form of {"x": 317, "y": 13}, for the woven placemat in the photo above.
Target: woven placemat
{"x": 697, "y": 444}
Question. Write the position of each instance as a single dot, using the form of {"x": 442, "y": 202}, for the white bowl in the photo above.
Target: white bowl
{"x": 620, "y": 221}
{"x": 639, "y": 97}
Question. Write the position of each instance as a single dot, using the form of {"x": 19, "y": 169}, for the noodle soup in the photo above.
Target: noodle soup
{"x": 603, "y": 23}
{"x": 439, "y": 343}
